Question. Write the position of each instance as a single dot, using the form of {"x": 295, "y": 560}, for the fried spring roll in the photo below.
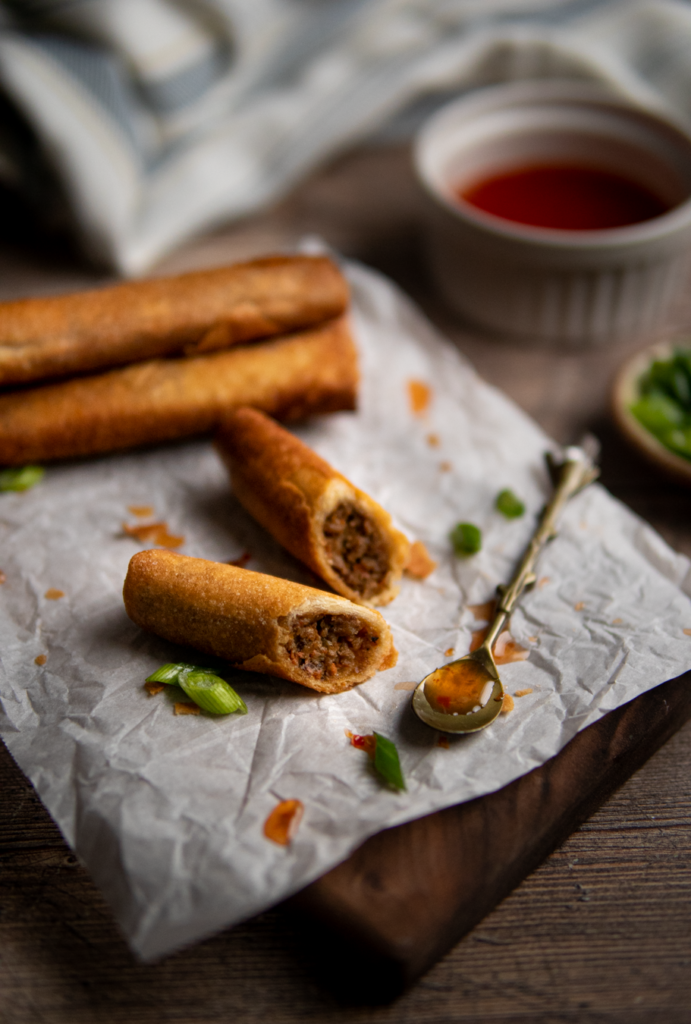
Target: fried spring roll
{"x": 312, "y": 510}
{"x": 193, "y": 313}
{"x": 304, "y": 374}
{"x": 258, "y": 622}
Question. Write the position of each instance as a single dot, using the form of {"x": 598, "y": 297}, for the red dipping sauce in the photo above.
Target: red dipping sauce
{"x": 569, "y": 197}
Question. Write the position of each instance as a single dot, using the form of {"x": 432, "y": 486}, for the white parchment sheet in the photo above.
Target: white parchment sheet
{"x": 167, "y": 812}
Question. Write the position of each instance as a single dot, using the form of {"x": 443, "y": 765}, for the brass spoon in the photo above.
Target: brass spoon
{"x": 467, "y": 695}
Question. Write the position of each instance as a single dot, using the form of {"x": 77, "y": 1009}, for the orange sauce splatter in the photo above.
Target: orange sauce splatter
{"x": 41, "y": 659}
{"x": 399, "y": 686}
{"x": 156, "y": 533}
{"x": 419, "y": 396}
{"x": 366, "y": 743}
{"x": 449, "y": 651}
{"x": 507, "y": 704}
{"x": 52, "y": 594}
{"x": 419, "y": 564}
{"x": 443, "y": 742}
{"x": 579, "y": 606}
{"x": 242, "y": 561}
{"x": 543, "y": 581}
{"x": 523, "y": 693}
{"x": 445, "y": 467}
{"x": 433, "y": 440}
{"x": 506, "y": 650}
{"x": 482, "y": 612}
{"x": 153, "y": 688}
{"x": 183, "y": 707}
{"x": 2, "y": 577}
{"x": 144, "y": 511}
{"x": 282, "y": 824}
{"x": 687, "y": 632}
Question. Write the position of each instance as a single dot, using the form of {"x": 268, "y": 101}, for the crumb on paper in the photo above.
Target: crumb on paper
{"x": 544, "y": 581}
{"x": 449, "y": 651}
{"x": 523, "y": 693}
{"x": 482, "y": 612}
{"x": 445, "y": 466}
{"x": 443, "y": 742}
{"x": 143, "y": 511}
{"x": 532, "y": 639}
{"x": 41, "y": 659}
{"x": 282, "y": 824}
{"x": 3, "y": 578}
{"x": 240, "y": 562}
{"x": 419, "y": 396}
{"x": 507, "y": 704}
{"x": 433, "y": 440}
{"x": 687, "y": 632}
{"x": 156, "y": 533}
{"x": 399, "y": 686}
{"x": 579, "y": 606}
{"x": 53, "y": 594}
{"x": 419, "y": 565}
{"x": 153, "y": 688}
{"x": 617, "y": 622}
{"x": 183, "y": 707}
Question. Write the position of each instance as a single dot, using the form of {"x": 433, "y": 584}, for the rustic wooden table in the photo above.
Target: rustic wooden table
{"x": 600, "y": 932}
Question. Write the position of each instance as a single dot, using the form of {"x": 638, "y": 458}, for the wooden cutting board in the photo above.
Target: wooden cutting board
{"x": 384, "y": 916}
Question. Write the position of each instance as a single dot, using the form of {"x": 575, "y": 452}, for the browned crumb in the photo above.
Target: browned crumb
{"x": 533, "y": 639}
{"x": 52, "y": 594}
{"x": 153, "y": 688}
{"x": 2, "y": 577}
{"x": 579, "y": 606}
{"x": 144, "y": 511}
{"x": 687, "y": 632}
{"x": 449, "y": 651}
{"x": 443, "y": 742}
{"x": 523, "y": 693}
{"x": 445, "y": 467}
{"x": 507, "y": 704}
{"x": 240, "y": 562}
{"x": 419, "y": 396}
{"x": 156, "y": 533}
{"x": 618, "y": 622}
{"x": 405, "y": 686}
{"x": 183, "y": 707}
{"x": 41, "y": 659}
{"x": 419, "y": 565}
{"x": 544, "y": 581}
{"x": 433, "y": 440}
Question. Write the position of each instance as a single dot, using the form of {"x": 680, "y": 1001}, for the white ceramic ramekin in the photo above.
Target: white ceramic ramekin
{"x": 577, "y": 287}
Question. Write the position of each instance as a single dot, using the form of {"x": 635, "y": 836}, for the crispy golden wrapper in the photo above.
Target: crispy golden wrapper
{"x": 165, "y": 399}
{"x": 258, "y": 622}
{"x": 203, "y": 311}
{"x": 336, "y": 529}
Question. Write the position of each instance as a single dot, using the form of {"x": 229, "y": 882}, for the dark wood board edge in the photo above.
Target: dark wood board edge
{"x": 383, "y": 917}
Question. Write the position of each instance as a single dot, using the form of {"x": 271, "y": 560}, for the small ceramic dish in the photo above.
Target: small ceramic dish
{"x": 624, "y": 393}
{"x": 579, "y": 287}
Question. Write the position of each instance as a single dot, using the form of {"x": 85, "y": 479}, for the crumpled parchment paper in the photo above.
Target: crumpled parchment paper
{"x": 167, "y": 812}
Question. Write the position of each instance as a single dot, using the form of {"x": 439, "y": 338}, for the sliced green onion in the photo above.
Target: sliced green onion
{"x": 20, "y": 479}
{"x": 509, "y": 505}
{"x": 205, "y": 688}
{"x": 386, "y": 762}
{"x": 466, "y": 539}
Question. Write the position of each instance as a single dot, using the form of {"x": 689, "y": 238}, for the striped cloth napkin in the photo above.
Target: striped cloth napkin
{"x": 157, "y": 118}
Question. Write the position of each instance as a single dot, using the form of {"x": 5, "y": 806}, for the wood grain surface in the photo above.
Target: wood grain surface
{"x": 601, "y": 931}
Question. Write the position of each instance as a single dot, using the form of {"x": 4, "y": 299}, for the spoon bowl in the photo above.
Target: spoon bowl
{"x": 465, "y": 695}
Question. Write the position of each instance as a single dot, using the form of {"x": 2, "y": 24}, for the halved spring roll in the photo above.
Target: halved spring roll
{"x": 258, "y": 622}
{"x": 166, "y": 399}
{"x": 203, "y": 311}
{"x": 336, "y": 529}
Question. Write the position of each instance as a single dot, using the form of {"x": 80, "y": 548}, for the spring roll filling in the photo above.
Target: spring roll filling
{"x": 356, "y": 549}
{"x": 324, "y": 645}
